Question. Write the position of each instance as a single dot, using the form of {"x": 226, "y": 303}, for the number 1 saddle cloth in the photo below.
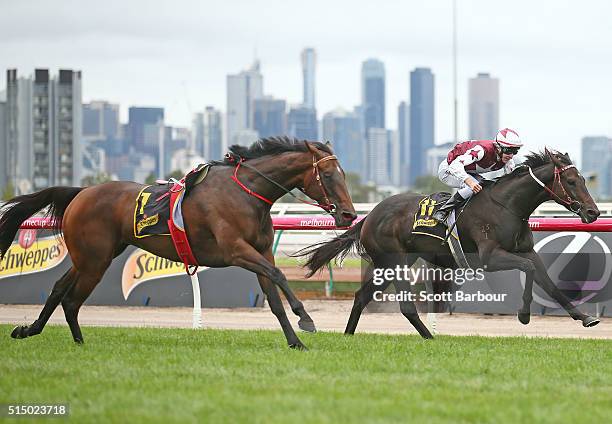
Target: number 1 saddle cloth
{"x": 158, "y": 211}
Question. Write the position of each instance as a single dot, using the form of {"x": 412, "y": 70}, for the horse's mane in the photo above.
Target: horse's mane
{"x": 535, "y": 160}
{"x": 271, "y": 146}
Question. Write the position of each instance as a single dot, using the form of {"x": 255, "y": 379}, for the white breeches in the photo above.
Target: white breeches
{"x": 450, "y": 180}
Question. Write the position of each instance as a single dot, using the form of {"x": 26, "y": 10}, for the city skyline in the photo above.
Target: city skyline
{"x": 177, "y": 56}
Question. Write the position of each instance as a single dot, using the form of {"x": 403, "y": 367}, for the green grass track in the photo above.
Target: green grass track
{"x": 178, "y": 375}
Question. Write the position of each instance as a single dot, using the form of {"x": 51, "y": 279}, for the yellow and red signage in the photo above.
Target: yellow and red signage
{"x": 29, "y": 255}
{"x": 143, "y": 266}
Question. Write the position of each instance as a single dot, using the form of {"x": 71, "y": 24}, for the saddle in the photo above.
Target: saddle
{"x": 158, "y": 211}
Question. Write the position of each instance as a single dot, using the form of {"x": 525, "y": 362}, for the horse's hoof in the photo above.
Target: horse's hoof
{"x": 17, "y": 332}
{"x": 590, "y": 322}
{"x": 306, "y": 325}
{"x": 524, "y": 317}
{"x": 298, "y": 346}
{"x": 79, "y": 342}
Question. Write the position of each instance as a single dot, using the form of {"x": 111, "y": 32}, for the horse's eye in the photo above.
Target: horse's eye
{"x": 327, "y": 174}
{"x": 571, "y": 182}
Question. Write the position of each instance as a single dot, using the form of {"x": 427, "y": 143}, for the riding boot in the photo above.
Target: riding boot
{"x": 455, "y": 201}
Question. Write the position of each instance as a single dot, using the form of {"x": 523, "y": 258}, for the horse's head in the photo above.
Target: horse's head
{"x": 325, "y": 183}
{"x": 570, "y": 189}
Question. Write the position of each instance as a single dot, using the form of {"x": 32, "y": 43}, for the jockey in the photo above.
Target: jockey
{"x": 464, "y": 164}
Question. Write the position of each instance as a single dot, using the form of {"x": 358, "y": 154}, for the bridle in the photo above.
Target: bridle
{"x": 327, "y": 206}
{"x": 568, "y": 201}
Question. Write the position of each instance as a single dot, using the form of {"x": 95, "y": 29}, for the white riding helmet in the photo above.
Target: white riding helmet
{"x": 508, "y": 138}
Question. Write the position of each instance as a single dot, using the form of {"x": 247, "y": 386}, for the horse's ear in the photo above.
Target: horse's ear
{"x": 311, "y": 148}
{"x": 328, "y": 144}
{"x": 553, "y": 157}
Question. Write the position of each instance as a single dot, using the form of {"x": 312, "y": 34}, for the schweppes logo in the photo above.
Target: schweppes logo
{"x": 147, "y": 222}
{"x": 44, "y": 254}
{"x": 143, "y": 266}
{"x": 422, "y": 218}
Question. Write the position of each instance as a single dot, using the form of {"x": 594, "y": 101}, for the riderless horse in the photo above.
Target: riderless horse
{"x": 493, "y": 230}
{"x": 227, "y": 220}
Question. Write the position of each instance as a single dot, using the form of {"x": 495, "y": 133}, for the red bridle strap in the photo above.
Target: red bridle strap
{"x": 328, "y": 206}
{"x": 245, "y": 188}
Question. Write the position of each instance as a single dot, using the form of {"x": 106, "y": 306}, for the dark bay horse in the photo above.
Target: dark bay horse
{"x": 227, "y": 219}
{"x": 493, "y": 228}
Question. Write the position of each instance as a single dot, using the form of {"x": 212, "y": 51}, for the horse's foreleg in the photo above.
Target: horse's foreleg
{"x": 245, "y": 256}
{"x": 524, "y": 314}
{"x": 544, "y": 281}
{"x": 60, "y": 289}
{"x": 305, "y": 323}
{"x": 276, "y": 306}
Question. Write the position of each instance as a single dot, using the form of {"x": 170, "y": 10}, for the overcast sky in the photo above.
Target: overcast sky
{"x": 553, "y": 58}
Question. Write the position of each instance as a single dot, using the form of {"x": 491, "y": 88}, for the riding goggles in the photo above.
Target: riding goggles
{"x": 510, "y": 150}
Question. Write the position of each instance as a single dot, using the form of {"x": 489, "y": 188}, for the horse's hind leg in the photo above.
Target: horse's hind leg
{"x": 91, "y": 257}
{"x": 79, "y": 292}
{"x": 409, "y": 310}
{"x": 60, "y": 289}
{"x": 363, "y": 296}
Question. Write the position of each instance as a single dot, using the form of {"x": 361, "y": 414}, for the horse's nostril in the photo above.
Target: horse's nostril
{"x": 593, "y": 212}
{"x": 349, "y": 215}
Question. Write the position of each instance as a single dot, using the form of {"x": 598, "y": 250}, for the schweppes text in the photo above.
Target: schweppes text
{"x": 143, "y": 266}
{"x": 44, "y": 254}
{"x": 147, "y": 263}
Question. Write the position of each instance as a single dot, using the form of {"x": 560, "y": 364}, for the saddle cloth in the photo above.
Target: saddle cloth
{"x": 425, "y": 225}
{"x": 152, "y": 209}
{"x": 158, "y": 211}
{"x": 423, "y": 222}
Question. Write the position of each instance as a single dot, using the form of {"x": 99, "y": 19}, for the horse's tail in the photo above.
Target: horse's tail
{"x": 20, "y": 208}
{"x": 320, "y": 254}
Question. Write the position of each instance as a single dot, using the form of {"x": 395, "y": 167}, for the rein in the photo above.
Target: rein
{"x": 327, "y": 207}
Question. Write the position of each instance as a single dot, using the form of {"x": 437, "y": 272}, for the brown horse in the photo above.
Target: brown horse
{"x": 227, "y": 219}
{"x": 493, "y": 227}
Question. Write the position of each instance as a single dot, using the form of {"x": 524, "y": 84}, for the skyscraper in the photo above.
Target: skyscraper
{"x": 373, "y": 94}
{"x": 378, "y": 154}
{"x": 44, "y": 120}
{"x": 270, "y": 116}
{"x": 69, "y": 131}
{"x": 403, "y": 129}
{"x": 197, "y": 131}
{"x": 421, "y": 120}
{"x": 345, "y": 130}
{"x": 302, "y": 123}
{"x": 484, "y": 107}
{"x": 3, "y": 129}
{"x": 100, "y": 121}
{"x": 143, "y": 126}
{"x": 596, "y": 161}
{"x": 242, "y": 90}
{"x": 308, "y": 71}
{"x": 213, "y": 136}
